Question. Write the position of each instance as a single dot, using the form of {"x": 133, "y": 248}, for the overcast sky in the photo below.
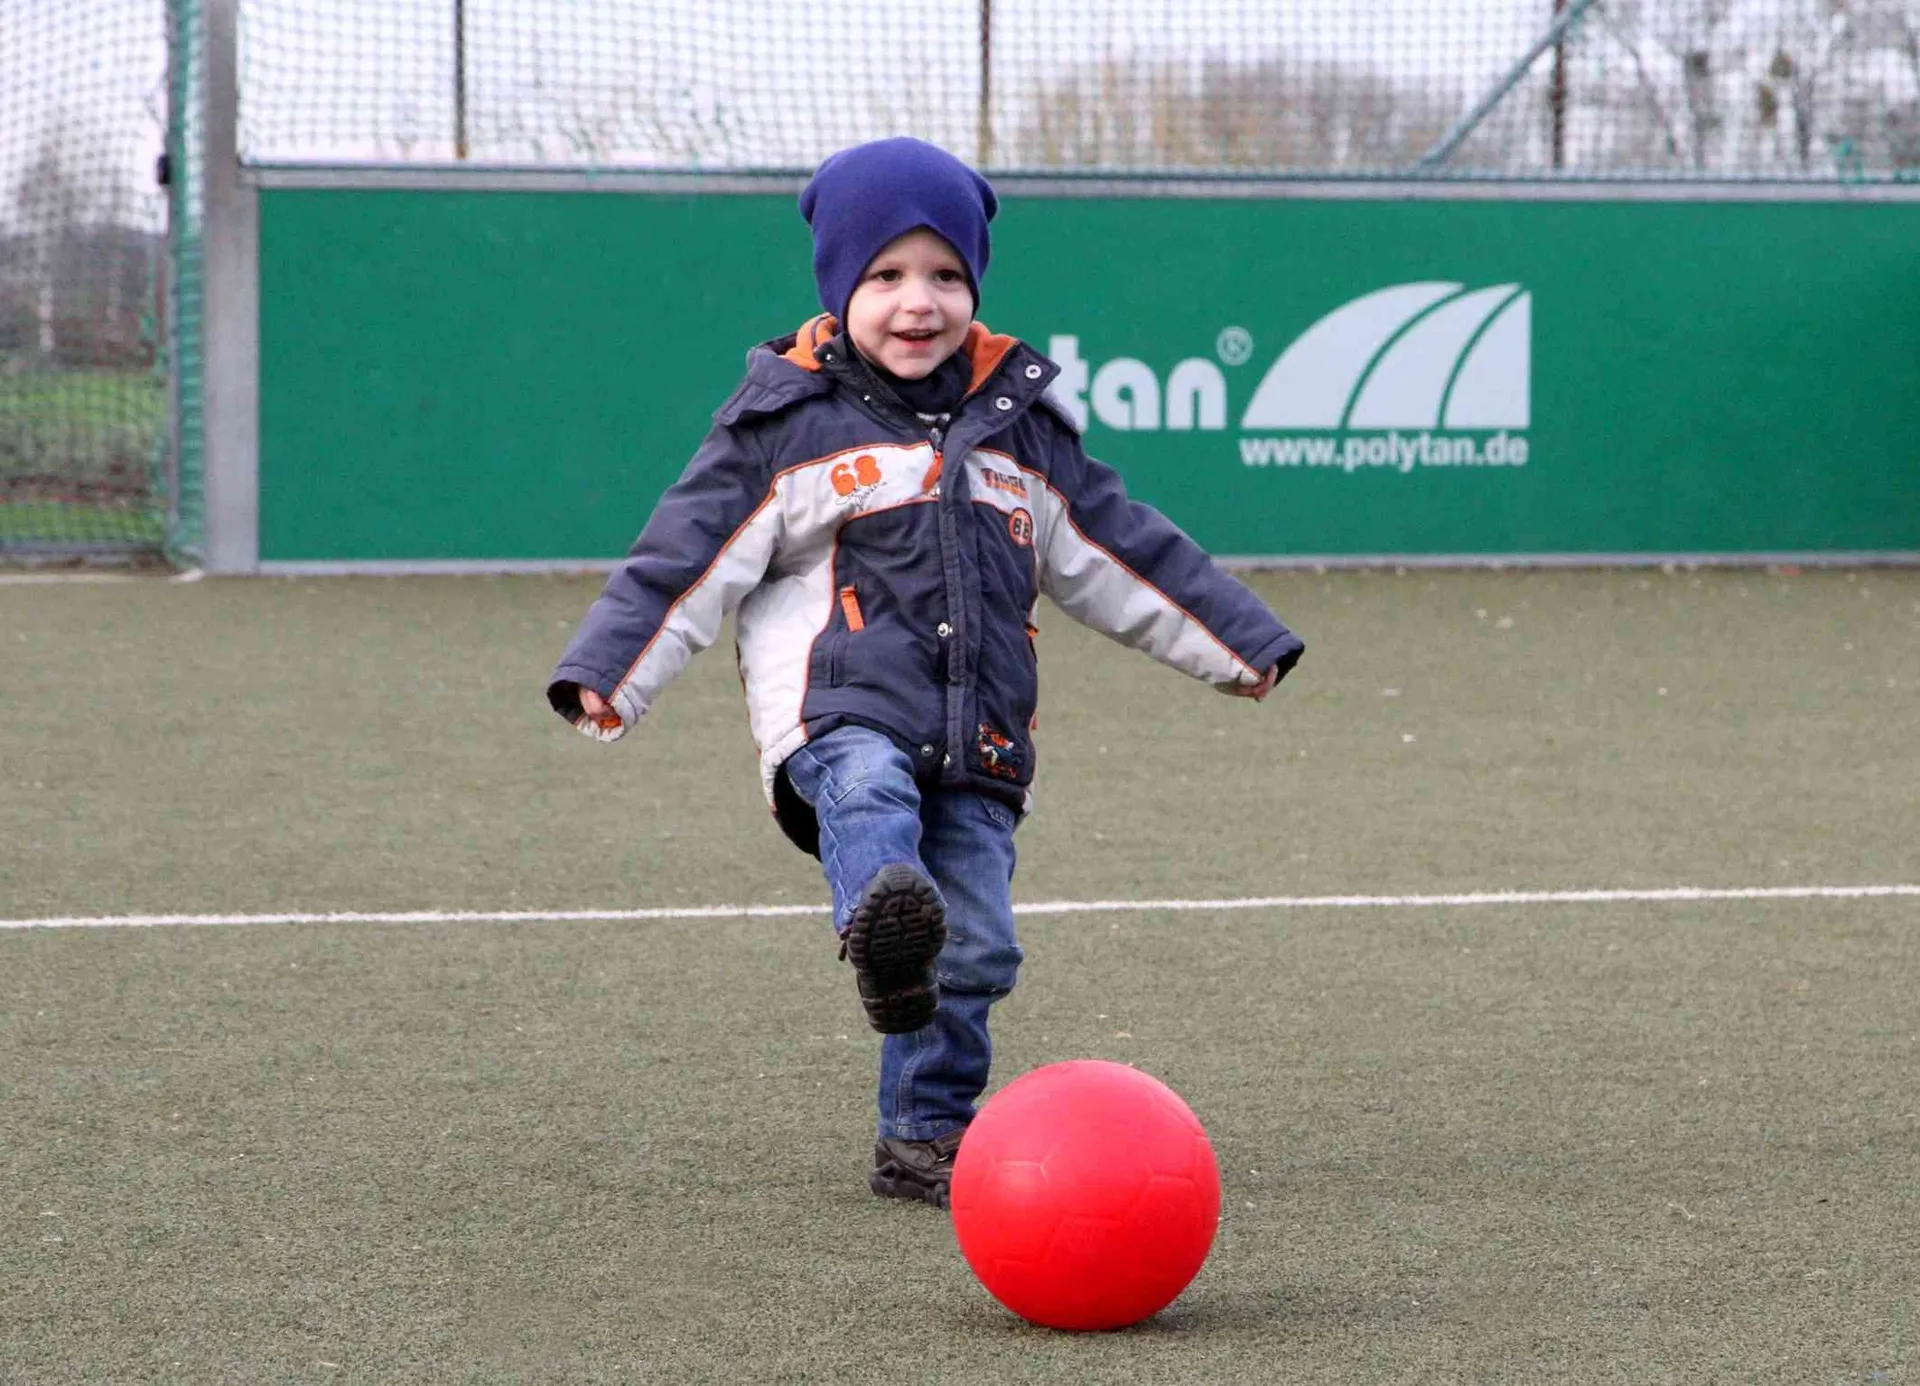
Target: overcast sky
{"x": 742, "y": 83}
{"x": 772, "y": 81}
{"x": 777, "y": 81}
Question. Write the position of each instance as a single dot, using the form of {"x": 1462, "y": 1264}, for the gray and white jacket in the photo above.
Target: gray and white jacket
{"x": 886, "y": 571}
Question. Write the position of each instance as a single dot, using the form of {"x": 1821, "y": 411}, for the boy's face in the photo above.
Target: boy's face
{"x": 912, "y": 307}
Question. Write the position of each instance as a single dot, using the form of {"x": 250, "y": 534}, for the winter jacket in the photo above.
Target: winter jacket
{"x": 886, "y": 571}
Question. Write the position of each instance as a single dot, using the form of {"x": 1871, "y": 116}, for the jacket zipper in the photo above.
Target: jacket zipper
{"x": 938, "y": 438}
{"x": 953, "y": 633}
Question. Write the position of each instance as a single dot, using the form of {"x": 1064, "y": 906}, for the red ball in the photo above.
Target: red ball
{"x": 1085, "y": 1195}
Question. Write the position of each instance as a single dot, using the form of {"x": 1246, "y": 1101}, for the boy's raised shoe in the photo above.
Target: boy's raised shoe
{"x": 898, "y": 929}
{"x": 916, "y": 1169}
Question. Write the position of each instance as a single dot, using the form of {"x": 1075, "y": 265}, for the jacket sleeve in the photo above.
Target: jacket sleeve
{"x": 707, "y": 543}
{"x": 1126, "y": 570}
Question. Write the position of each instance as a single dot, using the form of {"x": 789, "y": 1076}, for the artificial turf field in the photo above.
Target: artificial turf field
{"x": 1605, "y": 1141}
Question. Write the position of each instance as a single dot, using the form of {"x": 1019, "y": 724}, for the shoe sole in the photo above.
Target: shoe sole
{"x": 898, "y": 929}
{"x": 888, "y": 1184}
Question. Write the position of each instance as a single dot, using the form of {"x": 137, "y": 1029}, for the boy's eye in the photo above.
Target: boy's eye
{"x": 948, "y": 276}
{"x": 887, "y": 276}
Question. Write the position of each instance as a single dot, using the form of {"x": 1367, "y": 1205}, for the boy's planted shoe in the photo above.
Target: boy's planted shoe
{"x": 916, "y": 1169}
{"x": 898, "y": 929}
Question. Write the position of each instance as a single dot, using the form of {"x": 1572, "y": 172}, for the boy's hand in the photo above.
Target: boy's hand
{"x": 599, "y": 711}
{"x": 1257, "y": 691}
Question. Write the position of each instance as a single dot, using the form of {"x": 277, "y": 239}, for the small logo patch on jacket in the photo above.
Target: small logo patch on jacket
{"x": 1012, "y": 484}
{"x": 999, "y": 756}
{"x": 1020, "y": 526}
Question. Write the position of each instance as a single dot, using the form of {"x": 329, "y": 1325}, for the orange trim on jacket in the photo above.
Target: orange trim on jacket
{"x": 985, "y": 350}
{"x": 850, "y": 607}
{"x": 814, "y": 333}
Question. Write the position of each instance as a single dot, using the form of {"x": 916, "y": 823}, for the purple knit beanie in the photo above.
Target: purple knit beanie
{"x": 862, "y": 198}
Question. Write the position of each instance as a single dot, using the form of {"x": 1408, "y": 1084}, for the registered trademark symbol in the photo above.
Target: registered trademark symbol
{"x": 1235, "y": 346}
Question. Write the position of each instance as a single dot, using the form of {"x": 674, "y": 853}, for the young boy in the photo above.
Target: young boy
{"x": 884, "y": 500}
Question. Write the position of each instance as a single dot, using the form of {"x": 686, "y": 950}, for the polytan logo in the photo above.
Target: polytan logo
{"x": 1426, "y": 355}
{"x": 1395, "y": 376}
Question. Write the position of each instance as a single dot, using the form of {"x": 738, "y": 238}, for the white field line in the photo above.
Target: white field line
{"x": 1262, "y": 902}
{"x": 63, "y": 579}
{"x": 60, "y": 578}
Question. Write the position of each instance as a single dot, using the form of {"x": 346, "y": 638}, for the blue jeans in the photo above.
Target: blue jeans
{"x": 872, "y": 814}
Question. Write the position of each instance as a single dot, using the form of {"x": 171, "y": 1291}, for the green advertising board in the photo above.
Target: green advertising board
{"x": 515, "y": 376}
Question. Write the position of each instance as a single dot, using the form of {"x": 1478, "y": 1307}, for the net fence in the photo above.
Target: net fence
{"x": 85, "y": 454}
{"x": 1722, "y": 89}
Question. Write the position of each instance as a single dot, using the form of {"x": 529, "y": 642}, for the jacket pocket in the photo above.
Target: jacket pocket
{"x": 830, "y": 651}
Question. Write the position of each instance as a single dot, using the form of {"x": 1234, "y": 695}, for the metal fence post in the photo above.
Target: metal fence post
{"x": 232, "y": 328}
